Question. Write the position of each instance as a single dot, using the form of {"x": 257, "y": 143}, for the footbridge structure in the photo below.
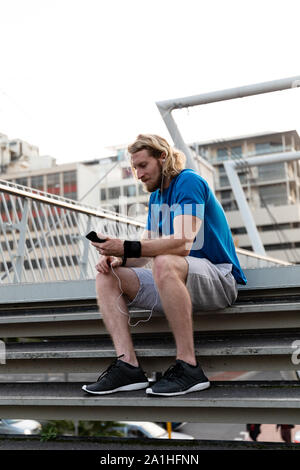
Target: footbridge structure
{"x": 50, "y": 323}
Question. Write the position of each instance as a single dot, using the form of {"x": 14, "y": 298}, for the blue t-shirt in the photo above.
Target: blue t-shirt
{"x": 189, "y": 193}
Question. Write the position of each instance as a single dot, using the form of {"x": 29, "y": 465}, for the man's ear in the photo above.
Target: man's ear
{"x": 163, "y": 155}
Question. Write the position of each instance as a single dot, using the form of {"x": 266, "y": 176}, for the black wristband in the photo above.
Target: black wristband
{"x": 132, "y": 249}
{"x": 124, "y": 260}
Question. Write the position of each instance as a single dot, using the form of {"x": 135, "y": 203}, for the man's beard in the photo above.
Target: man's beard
{"x": 155, "y": 185}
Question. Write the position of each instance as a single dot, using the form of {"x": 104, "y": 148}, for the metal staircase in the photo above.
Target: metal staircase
{"x": 59, "y": 329}
{"x": 260, "y": 332}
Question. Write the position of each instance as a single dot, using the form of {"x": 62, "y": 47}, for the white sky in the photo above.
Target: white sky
{"x": 77, "y": 76}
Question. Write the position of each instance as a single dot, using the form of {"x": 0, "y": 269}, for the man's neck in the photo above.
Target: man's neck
{"x": 166, "y": 182}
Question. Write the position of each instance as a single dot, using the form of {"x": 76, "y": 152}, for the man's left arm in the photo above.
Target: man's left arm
{"x": 180, "y": 243}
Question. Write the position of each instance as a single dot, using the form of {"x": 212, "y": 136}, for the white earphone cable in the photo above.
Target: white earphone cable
{"x": 120, "y": 284}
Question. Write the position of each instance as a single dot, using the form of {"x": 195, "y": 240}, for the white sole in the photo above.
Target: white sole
{"x": 195, "y": 388}
{"x": 125, "y": 388}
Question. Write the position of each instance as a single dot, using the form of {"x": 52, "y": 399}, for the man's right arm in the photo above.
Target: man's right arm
{"x": 103, "y": 264}
{"x": 139, "y": 262}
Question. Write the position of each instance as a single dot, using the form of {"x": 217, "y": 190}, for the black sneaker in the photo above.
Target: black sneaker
{"x": 118, "y": 377}
{"x": 180, "y": 379}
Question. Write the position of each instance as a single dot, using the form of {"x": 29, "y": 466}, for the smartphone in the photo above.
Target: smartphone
{"x": 94, "y": 238}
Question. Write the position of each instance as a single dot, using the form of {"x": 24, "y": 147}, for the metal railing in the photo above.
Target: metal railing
{"x": 42, "y": 236}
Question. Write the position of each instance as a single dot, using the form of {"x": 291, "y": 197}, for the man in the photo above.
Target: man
{"x": 195, "y": 267}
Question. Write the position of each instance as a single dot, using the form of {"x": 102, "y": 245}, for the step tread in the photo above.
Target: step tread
{"x": 60, "y": 316}
{"x": 229, "y": 394}
{"x": 262, "y": 343}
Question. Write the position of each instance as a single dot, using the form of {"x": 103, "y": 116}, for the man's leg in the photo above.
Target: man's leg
{"x": 124, "y": 374}
{"x": 116, "y": 322}
{"x": 170, "y": 274}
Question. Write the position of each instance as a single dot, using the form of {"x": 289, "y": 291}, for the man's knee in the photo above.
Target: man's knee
{"x": 167, "y": 265}
{"x": 109, "y": 282}
{"x": 104, "y": 279}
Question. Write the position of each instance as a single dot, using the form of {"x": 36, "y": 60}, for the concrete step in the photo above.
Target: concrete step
{"x": 234, "y": 351}
{"x": 58, "y": 320}
{"x": 274, "y": 402}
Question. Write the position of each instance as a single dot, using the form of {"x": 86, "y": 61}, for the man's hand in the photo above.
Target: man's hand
{"x": 103, "y": 266}
{"x": 111, "y": 247}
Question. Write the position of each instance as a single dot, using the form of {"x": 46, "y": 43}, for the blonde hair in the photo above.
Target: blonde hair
{"x": 156, "y": 146}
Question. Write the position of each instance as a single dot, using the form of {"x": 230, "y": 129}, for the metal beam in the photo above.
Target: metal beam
{"x": 245, "y": 211}
{"x": 230, "y": 93}
{"x": 176, "y": 136}
{"x": 230, "y": 167}
{"x": 265, "y": 159}
{"x": 167, "y": 106}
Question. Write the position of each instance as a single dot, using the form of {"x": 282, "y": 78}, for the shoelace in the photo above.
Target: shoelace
{"x": 113, "y": 364}
{"x": 174, "y": 371}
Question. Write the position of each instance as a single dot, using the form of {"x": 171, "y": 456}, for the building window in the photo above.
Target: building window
{"x": 37, "y": 182}
{"x": 103, "y": 194}
{"x": 267, "y": 147}
{"x": 225, "y": 195}
{"x": 236, "y": 152}
{"x": 262, "y": 148}
{"x": 230, "y": 206}
{"x": 239, "y": 231}
{"x": 272, "y": 171}
{"x": 222, "y": 154}
{"x": 70, "y": 185}
{"x": 223, "y": 181}
{"x": 266, "y": 228}
{"x": 275, "y": 194}
{"x": 279, "y": 246}
{"x": 130, "y": 190}
{"x": 114, "y": 193}
{"x": 22, "y": 181}
{"x": 53, "y": 183}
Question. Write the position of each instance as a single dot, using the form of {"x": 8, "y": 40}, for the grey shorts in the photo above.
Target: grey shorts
{"x": 211, "y": 286}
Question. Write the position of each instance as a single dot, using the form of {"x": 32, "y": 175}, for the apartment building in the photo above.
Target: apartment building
{"x": 22, "y": 164}
{"x": 272, "y": 191}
